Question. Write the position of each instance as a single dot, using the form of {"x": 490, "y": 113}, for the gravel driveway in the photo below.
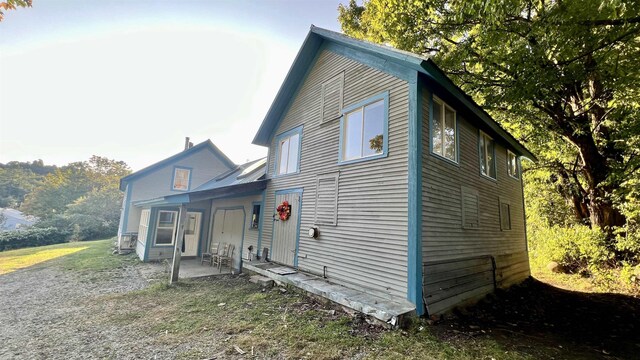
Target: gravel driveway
{"x": 48, "y": 313}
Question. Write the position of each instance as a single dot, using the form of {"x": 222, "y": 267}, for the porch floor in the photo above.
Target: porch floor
{"x": 384, "y": 309}
{"x": 191, "y": 268}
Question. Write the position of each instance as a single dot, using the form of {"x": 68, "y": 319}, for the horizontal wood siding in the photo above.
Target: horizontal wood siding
{"x": 367, "y": 249}
{"x": 443, "y": 236}
{"x": 204, "y": 167}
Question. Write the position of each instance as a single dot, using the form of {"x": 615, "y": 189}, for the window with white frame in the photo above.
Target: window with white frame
{"x": 363, "y": 129}
{"x": 444, "y": 131}
{"x": 487, "y": 148}
{"x": 181, "y": 179}
{"x": 288, "y": 152}
{"x": 512, "y": 165}
{"x": 165, "y": 228}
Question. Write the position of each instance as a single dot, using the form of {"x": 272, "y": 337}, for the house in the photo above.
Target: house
{"x": 382, "y": 176}
{"x": 12, "y": 219}
{"x": 178, "y": 174}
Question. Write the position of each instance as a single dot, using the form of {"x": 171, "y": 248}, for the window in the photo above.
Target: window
{"x": 332, "y": 98}
{"x": 165, "y": 229}
{"x": 512, "y": 165}
{"x": 505, "y": 215}
{"x": 487, "y": 155}
{"x": 288, "y": 153}
{"x": 444, "y": 131}
{"x": 143, "y": 228}
{"x": 255, "y": 216}
{"x": 192, "y": 221}
{"x": 364, "y": 128}
{"x": 181, "y": 179}
{"x": 326, "y": 199}
{"x": 470, "y": 208}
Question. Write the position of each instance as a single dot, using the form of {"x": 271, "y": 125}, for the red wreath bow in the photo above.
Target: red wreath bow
{"x": 284, "y": 210}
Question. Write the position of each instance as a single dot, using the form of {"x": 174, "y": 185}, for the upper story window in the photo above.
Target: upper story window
{"x": 444, "y": 131}
{"x": 288, "y": 151}
{"x": 512, "y": 165}
{"x": 363, "y": 129}
{"x": 487, "y": 149}
{"x": 181, "y": 179}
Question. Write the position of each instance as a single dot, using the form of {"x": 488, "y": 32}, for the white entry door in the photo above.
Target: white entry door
{"x": 228, "y": 228}
{"x": 192, "y": 234}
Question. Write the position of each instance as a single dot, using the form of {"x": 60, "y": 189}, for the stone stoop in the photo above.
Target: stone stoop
{"x": 391, "y": 312}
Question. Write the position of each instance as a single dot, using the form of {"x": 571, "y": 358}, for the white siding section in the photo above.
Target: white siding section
{"x": 368, "y": 247}
{"x": 443, "y": 236}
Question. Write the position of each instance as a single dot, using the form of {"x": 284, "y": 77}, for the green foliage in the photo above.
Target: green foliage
{"x": 578, "y": 249}
{"x": 32, "y": 237}
{"x": 561, "y": 76}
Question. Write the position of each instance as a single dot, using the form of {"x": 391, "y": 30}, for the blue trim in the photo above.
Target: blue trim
{"x": 286, "y": 134}
{"x": 179, "y": 156}
{"x": 260, "y": 225}
{"x": 275, "y": 205}
{"x": 481, "y": 160}
{"x": 244, "y": 225}
{"x": 385, "y": 140}
{"x": 173, "y": 177}
{"x": 457, "y": 125}
{"x": 370, "y": 60}
{"x": 127, "y": 205}
{"x": 167, "y": 200}
{"x": 414, "y": 245}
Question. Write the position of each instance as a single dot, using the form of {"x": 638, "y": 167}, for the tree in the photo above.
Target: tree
{"x": 12, "y": 5}
{"x": 560, "y": 75}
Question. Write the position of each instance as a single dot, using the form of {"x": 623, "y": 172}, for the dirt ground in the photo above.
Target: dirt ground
{"x": 49, "y": 313}
{"x": 535, "y": 315}
{"x": 46, "y": 313}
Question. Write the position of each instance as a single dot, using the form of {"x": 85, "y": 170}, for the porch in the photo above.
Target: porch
{"x": 390, "y": 311}
{"x": 191, "y": 269}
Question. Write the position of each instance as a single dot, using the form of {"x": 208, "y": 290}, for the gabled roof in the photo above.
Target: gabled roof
{"x": 179, "y": 156}
{"x": 242, "y": 179}
{"x": 312, "y": 44}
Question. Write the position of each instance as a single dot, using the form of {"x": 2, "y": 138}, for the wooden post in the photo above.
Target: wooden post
{"x": 177, "y": 250}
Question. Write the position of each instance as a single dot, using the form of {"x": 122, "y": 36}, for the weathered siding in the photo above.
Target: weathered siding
{"x": 204, "y": 166}
{"x": 250, "y": 235}
{"x": 368, "y": 247}
{"x": 166, "y": 251}
{"x": 443, "y": 237}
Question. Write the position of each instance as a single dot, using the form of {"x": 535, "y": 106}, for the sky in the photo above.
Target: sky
{"x": 129, "y": 80}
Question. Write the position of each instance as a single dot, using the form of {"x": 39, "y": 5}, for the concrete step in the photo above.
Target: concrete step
{"x": 261, "y": 280}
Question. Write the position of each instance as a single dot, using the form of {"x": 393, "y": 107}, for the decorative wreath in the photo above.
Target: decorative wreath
{"x": 284, "y": 211}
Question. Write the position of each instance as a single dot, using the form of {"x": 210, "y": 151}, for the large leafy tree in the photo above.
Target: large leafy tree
{"x": 561, "y": 75}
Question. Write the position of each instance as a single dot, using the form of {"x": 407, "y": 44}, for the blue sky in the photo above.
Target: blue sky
{"x": 130, "y": 79}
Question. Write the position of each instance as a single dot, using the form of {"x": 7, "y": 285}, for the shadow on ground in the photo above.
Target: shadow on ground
{"x": 535, "y": 315}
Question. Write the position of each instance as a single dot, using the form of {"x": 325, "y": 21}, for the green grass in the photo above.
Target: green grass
{"x": 87, "y": 256}
{"x": 291, "y": 325}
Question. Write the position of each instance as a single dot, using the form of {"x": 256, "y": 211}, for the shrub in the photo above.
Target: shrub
{"x": 32, "y": 237}
{"x": 578, "y": 249}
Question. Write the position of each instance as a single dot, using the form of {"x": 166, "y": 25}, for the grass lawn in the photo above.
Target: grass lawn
{"x": 216, "y": 315}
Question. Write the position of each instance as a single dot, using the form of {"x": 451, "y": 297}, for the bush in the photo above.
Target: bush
{"x": 32, "y": 237}
{"x": 81, "y": 227}
{"x": 578, "y": 249}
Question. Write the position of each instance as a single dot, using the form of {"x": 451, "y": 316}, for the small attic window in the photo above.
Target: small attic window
{"x": 331, "y": 98}
{"x": 181, "y": 179}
